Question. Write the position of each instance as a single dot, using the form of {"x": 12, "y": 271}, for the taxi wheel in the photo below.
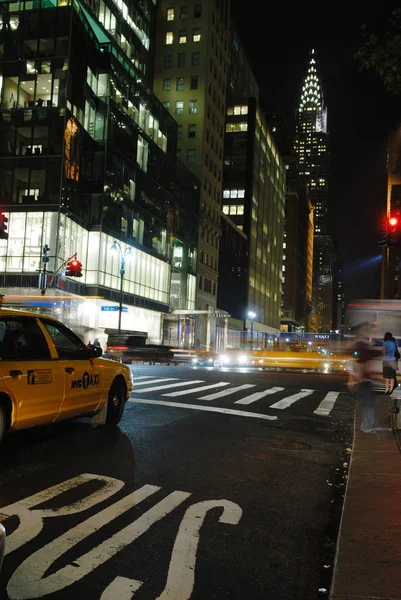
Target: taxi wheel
{"x": 3, "y": 422}
{"x": 115, "y": 403}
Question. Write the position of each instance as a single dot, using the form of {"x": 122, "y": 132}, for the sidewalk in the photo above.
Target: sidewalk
{"x": 368, "y": 557}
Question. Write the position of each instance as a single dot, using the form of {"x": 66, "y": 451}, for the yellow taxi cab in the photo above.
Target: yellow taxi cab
{"x": 48, "y": 374}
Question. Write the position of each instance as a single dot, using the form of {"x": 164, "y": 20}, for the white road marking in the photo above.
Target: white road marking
{"x": 121, "y": 588}
{"x": 181, "y": 574}
{"x": 143, "y": 377}
{"x": 225, "y": 411}
{"x": 170, "y": 385}
{"x": 326, "y": 405}
{"x": 286, "y": 402}
{"x": 31, "y": 519}
{"x": 227, "y": 392}
{"x": 259, "y": 395}
{"x": 28, "y": 580}
{"x": 198, "y": 389}
{"x": 156, "y": 380}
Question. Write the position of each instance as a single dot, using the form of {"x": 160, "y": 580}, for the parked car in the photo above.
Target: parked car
{"x": 48, "y": 374}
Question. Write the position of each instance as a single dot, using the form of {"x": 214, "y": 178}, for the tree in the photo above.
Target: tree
{"x": 382, "y": 53}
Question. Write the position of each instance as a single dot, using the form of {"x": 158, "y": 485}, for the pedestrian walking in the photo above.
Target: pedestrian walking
{"x": 390, "y": 362}
{"x": 360, "y": 377}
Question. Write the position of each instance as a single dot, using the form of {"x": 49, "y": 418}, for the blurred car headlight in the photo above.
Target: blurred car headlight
{"x": 242, "y": 360}
{"x": 195, "y": 361}
{"x": 225, "y": 360}
{"x": 210, "y": 360}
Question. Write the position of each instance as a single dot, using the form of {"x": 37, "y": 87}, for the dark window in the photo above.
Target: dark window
{"x": 168, "y": 60}
{"x": 181, "y": 59}
{"x": 67, "y": 344}
{"x": 191, "y": 155}
{"x": 22, "y": 339}
{"x": 166, "y": 84}
{"x": 184, "y": 12}
{"x": 179, "y": 84}
{"x": 197, "y": 11}
{"x": 191, "y": 131}
{"x": 193, "y": 107}
{"x": 200, "y": 282}
{"x": 194, "y": 82}
{"x": 195, "y": 59}
{"x": 166, "y": 105}
{"x": 179, "y": 132}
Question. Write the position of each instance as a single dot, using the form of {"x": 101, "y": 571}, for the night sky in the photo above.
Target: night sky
{"x": 360, "y": 116}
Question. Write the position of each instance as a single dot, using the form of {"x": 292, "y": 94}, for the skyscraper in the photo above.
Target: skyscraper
{"x": 312, "y": 148}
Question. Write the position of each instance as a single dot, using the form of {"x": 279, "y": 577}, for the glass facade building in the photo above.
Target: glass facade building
{"x": 88, "y": 155}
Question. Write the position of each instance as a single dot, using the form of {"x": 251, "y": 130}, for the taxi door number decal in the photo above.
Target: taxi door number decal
{"x": 86, "y": 381}
{"x": 39, "y": 376}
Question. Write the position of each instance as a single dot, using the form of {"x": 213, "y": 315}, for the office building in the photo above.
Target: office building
{"x": 296, "y": 303}
{"x": 88, "y": 156}
{"x": 312, "y": 148}
{"x": 190, "y": 74}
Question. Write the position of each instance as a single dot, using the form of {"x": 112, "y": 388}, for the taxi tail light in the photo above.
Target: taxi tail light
{"x": 113, "y": 348}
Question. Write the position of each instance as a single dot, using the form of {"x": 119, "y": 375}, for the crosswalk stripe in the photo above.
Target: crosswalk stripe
{"x": 227, "y": 392}
{"x": 258, "y": 395}
{"x": 198, "y": 389}
{"x": 155, "y": 381}
{"x": 202, "y": 407}
{"x": 326, "y": 405}
{"x": 170, "y": 385}
{"x": 286, "y": 402}
{"x": 143, "y": 377}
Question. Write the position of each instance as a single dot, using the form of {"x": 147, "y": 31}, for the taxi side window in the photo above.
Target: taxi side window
{"x": 22, "y": 339}
{"x": 67, "y": 344}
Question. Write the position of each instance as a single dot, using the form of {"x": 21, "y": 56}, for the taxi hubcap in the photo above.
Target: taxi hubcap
{"x": 115, "y": 401}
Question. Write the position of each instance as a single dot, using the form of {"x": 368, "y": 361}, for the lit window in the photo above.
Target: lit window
{"x": 241, "y": 193}
{"x": 226, "y": 209}
{"x": 226, "y": 193}
{"x": 166, "y": 85}
{"x": 196, "y": 35}
{"x": 234, "y": 194}
{"x": 230, "y": 111}
{"x": 233, "y": 209}
{"x": 179, "y": 84}
{"x": 240, "y": 110}
{"x": 169, "y": 37}
{"x": 183, "y": 36}
{"x": 179, "y": 107}
{"x": 236, "y": 127}
{"x": 240, "y": 209}
{"x": 193, "y": 107}
{"x": 170, "y": 14}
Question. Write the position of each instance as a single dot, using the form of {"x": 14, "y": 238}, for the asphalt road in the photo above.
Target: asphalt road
{"x": 238, "y": 481}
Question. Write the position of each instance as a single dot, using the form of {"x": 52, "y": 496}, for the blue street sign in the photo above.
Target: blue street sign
{"x": 112, "y": 308}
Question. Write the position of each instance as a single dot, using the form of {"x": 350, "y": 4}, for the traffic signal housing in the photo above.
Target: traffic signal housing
{"x": 74, "y": 268}
{"x": 3, "y": 227}
{"x": 394, "y": 230}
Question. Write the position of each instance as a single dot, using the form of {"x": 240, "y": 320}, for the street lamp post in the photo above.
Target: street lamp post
{"x": 252, "y": 316}
{"x": 116, "y": 247}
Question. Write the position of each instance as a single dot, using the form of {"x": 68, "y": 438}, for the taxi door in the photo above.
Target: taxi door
{"x": 83, "y": 378}
{"x": 28, "y": 374}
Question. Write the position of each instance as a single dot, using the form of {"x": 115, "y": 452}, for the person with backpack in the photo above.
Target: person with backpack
{"x": 391, "y": 356}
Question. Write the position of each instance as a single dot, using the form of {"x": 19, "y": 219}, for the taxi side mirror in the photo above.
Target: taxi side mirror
{"x": 95, "y": 351}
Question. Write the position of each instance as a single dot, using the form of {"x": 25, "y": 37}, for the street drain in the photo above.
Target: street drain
{"x": 279, "y": 444}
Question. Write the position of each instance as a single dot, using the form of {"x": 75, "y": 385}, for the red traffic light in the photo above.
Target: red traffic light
{"x": 3, "y": 227}
{"x": 74, "y": 268}
{"x": 393, "y": 221}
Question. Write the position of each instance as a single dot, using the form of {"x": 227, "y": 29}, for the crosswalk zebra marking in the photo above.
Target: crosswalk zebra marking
{"x": 258, "y": 395}
{"x": 228, "y": 392}
{"x": 289, "y": 400}
{"x": 152, "y": 381}
{"x": 144, "y": 377}
{"x": 198, "y": 389}
{"x": 169, "y": 386}
{"x": 202, "y": 407}
{"x": 326, "y": 405}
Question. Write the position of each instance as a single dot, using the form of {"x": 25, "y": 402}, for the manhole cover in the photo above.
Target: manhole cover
{"x": 279, "y": 444}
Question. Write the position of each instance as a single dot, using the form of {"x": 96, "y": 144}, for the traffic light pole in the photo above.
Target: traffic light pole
{"x": 120, "y": 308}
{"x": 49, "y": 283}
